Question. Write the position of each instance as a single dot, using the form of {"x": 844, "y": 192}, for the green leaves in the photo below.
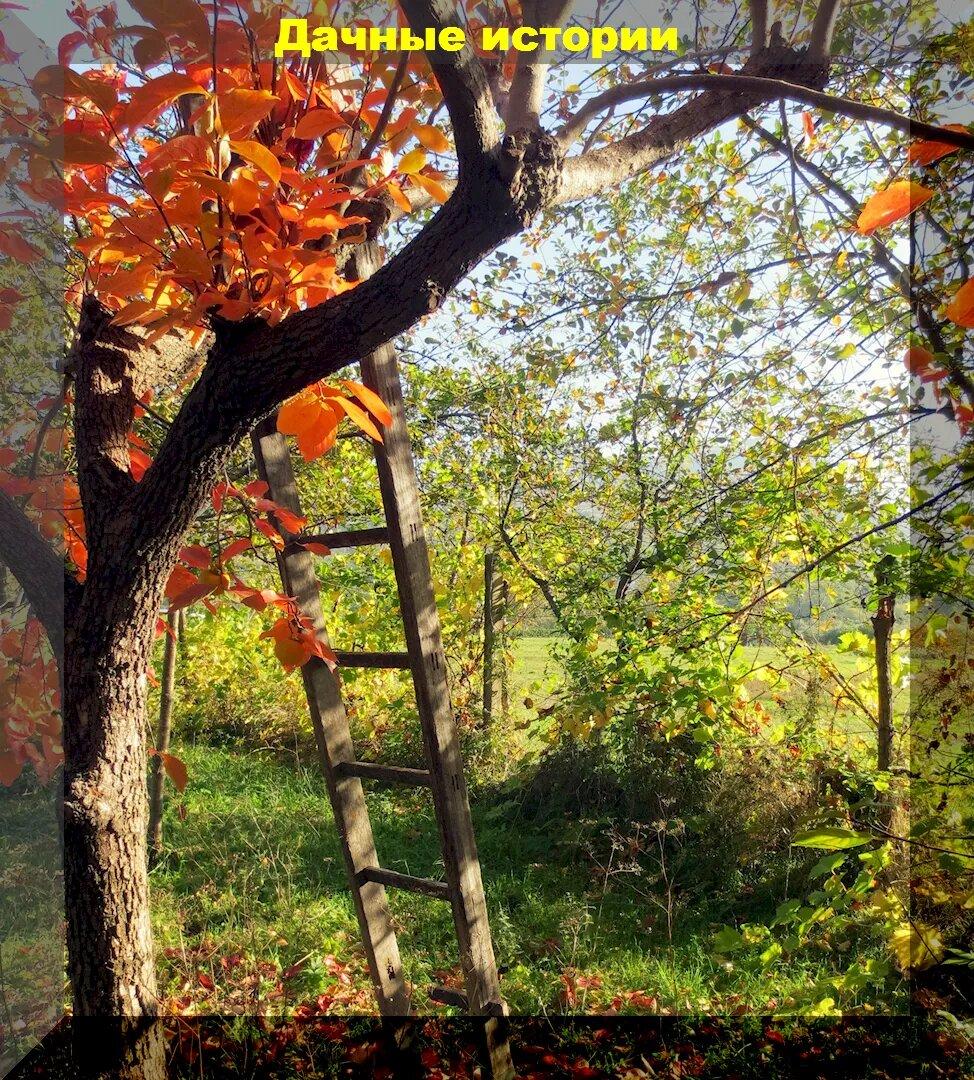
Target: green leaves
{"x": 831, "y": 839}
{"x": 828, "y": 864}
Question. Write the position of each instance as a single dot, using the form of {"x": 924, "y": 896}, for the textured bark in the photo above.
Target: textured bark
{"x": 110, "y": 957}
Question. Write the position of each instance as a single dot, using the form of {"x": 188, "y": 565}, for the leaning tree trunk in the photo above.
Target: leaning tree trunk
{"x": 110, "y": 957}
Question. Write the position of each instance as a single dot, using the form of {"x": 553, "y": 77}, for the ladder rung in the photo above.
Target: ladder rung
{"x": 372, "y": 659}
{"x": 390, "y": 774}
{"x": 444, "y": 996}
{"x": 427, "y": 886}
{"x": 346, "y": 538}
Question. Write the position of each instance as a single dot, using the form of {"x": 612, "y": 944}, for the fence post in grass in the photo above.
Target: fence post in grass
{"x": 882, "y": 633}
{"x": 174, "y": 625}
{"x": 505, "y": 645}
{"x": 490, "y": 638}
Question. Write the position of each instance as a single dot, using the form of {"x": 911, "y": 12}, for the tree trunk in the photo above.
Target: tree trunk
{"x": 157, "y": 772}
{"x": 490, "y": 638}
{"x": 882, "y": 632}
{"x": 109, "y": 937}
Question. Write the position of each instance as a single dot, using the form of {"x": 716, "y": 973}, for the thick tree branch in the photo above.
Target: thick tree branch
{"x": 725, "y": 97}
{"x": 751, "y": 89}
{"x": 526, "y": 97}
{"x": 820, "y": 42}
{"x": 759, "y": 25}
{"x": 253, "y": 367}
{"x": 39, "y": 571}
{"x": 462, "y": 81}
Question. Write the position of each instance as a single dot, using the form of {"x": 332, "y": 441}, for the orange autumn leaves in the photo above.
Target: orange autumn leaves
{"x": 961, "y": 309}
{"x": 892, "y": 204}
{"x": 899, "y": 200}
{"x": 313, "y": 416}
{"x": 221, "y": 186}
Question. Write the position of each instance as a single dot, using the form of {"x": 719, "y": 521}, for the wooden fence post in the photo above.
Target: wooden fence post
{"x": 157, "y": 775}
{"x": 490, "y": 638}
{"x": 882, "y": 632}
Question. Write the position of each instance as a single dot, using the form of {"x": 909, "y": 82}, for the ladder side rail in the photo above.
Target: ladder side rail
{"x": 410, "y": 556}
{"x": 334, "y": 740}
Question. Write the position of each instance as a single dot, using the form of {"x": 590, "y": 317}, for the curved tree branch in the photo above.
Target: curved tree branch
{"x": 820, "y": 42}
{"x": 463, "y": 83}
{"x": 769, "y": 89}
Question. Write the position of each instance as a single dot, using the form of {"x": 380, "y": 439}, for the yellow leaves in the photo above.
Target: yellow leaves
{"x": 891, "y": 204}
{"x": 432, "y": 187}
{"x": 927, "y": 151}
{"x": 412, "y": 162}
{"x": 916, "y": 947}
{"x": 432, "y": 138}
{"x": 318, "y": 122}
{"x": 961, "y": 309}
{"x": 259, "y": 156}
{"x": 241, "y": 110}
{"x": 708, "y": 708}
{"x": 148, "y": 99}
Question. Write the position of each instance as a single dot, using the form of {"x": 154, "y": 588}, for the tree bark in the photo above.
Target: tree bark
{"x": 157, "y": 774}
{"x": 111, "y": 964}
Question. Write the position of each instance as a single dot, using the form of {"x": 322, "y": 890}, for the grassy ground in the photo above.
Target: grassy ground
{"x": 251, "y": 905}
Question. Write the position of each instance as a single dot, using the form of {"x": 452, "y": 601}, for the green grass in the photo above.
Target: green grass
{"x": 253, "y": 884}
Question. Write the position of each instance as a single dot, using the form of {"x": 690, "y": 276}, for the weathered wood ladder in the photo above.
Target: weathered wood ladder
{"x": 424, "y": 657}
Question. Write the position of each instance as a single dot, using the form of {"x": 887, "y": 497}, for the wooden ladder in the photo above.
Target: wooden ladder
{"x": 463, "y": 888}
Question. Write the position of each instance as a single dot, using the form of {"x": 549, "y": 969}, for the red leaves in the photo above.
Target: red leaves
{"x": 148, "y": 99}
{"x": 927, "y": 151}
{"x": 16, "y": 247}
{"x": 891, "y": 204}
{"x": 318, "y": 122}
{"x": 295, "y": 642}
{"x": 313, "y": 420}
{"x": 241, "y": 110}
{"x": 314, "y": 415}
{"x": 920, "y": 362}
{"x": 175, "y": 768}
{"x": 961, "y": 309}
